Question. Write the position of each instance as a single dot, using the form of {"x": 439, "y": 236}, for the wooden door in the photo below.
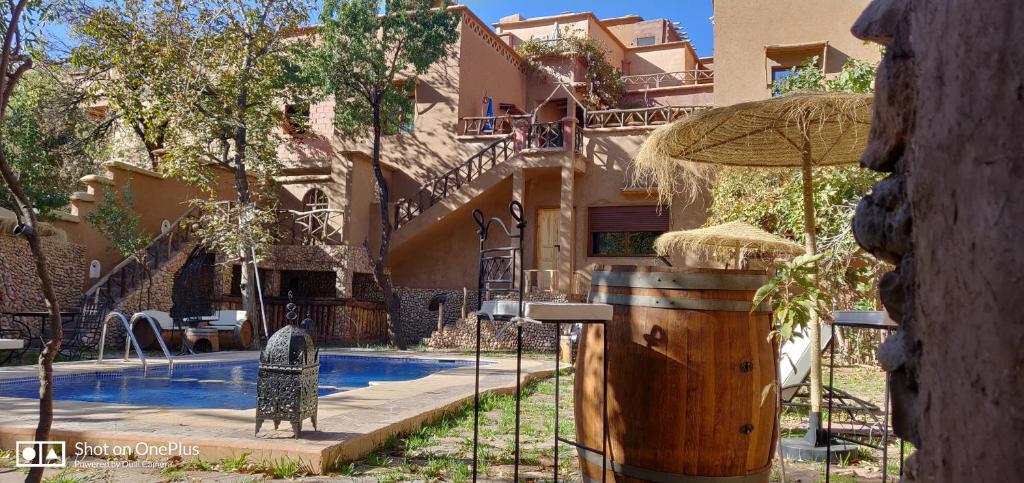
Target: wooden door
{"x": 547, "y": 239}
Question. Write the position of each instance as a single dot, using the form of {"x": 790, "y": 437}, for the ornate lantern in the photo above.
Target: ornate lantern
{"x": 289, "y": 376}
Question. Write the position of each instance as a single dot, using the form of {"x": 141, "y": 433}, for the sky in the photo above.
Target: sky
{"x": 693, "y": 15}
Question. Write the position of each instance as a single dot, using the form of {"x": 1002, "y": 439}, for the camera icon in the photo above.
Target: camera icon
{"x": 40, "y": 454}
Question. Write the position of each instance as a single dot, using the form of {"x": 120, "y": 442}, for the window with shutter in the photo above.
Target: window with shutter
{"x": 626, "y": 231}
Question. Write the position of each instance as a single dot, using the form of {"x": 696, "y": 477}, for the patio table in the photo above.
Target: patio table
{"x": 870, "y": 320}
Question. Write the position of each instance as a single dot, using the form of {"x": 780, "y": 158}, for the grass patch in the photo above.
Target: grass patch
{"x": 443, "y": 450}
{"x": 234, "y": 464}
{"x": 6, "y": 458}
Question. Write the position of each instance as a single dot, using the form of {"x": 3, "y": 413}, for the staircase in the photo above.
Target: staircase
{"x": 128, "y": 276}
{"x": 539, "y": 137}
{"x": 437, "y": 189}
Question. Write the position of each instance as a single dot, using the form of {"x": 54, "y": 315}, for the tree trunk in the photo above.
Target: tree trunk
{"x": 250, "y": 303}
{"x": 52, "y": 346}
{"x": 391, "y": 300}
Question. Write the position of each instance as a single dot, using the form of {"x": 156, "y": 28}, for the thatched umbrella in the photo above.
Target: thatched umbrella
{"x": 732, "y": 238}
{"x": 802, "y": 129}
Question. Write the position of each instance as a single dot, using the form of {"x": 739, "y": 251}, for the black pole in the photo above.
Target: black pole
{"x": 831, "y": 395}
{"x": 558, "y": 350}
{"x": 476, "y": 399}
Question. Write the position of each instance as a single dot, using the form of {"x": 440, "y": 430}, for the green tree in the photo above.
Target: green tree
{"x": 123, "y": 47}
{"x": 772, "y": 199}
{"x": 50, "y": 140}
{"x": 232, "y": 68}
{"x": 368, "y": 59}
{"x": 116, "y": 219}
{"x": 20, "y": 20}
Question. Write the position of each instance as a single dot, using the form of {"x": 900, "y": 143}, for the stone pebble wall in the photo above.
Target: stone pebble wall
{"x": 498, "y": 335}
{"x": 417, "y": 322}
{"x": 160, "y": 287}
{"x": 20, "y": 289}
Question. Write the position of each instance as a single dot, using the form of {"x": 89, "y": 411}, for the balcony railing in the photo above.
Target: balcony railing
{"x": 643, "y": 117}
{"x": 314, "y": 227}
{"x": 546, "y": 135}
{"x": 668, "y": 79}
{"x": 490, "y": 125}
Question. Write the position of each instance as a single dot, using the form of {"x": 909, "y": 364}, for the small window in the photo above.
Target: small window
{"x": 315, "y": 199}
{"x": 779, "y": 75}
{"x": 642, "y": 41}
{"x": 296, "y": 118}
{"x": 626, "y": 231}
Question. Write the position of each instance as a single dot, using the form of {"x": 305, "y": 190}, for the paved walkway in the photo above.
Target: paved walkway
{"x": 351, "y": 423}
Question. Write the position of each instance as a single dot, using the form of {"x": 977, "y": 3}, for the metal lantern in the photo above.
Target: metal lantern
{"x": 289, "y": 375}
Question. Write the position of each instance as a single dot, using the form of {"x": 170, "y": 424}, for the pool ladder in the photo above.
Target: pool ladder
{"x": 130, "y": 340}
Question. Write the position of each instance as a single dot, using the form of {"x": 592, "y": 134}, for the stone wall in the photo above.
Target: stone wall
{"x": 950, "y": 217}
{"x": 341, "y": 259}
{"x": 498, "y": 335}
{"x": 417, "y": 322}
{"x": 156, "y": 295}
{"x": 20, "y": 289}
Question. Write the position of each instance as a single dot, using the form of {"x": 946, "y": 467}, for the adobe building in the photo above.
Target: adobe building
{"x": 490, "y": 126}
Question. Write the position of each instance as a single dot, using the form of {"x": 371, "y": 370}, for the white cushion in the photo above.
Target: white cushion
{"x": 162, "y": 319}
{"x": 11, "y": 344}
{"x": 568, "y": 311}
{"x": 500, "y": 308}
{"x": 229, "y": 318}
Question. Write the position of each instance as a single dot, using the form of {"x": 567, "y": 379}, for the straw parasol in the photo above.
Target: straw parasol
{"x": 729, "y": 238}
{"x": 801, "y": 129}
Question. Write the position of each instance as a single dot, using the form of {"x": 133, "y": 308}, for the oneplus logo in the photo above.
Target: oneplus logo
{"x": 40, "y": 454}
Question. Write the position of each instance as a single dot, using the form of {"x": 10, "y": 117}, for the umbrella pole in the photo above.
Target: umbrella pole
{"x": 810, "y": 248}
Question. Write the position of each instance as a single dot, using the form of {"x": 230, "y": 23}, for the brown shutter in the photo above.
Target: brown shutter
{"x": 628, "y": 218}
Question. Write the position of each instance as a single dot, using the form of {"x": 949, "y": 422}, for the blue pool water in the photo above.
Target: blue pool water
{"x": 228, "y": 385}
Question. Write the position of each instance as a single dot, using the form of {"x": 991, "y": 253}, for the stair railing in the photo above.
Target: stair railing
{"x": 128, "y": 275}
{"x": 439, "y": 188}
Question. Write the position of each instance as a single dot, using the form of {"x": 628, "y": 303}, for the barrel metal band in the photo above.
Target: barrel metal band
{"x": 662, "y": 477}
{"x": 677, "y": 302}
{"x": 679, "y": 280}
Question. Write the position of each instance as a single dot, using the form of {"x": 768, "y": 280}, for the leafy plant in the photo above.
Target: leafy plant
{"x": 605, "y": 87}
{"x": 234, "y": 463}
{"x": 116, "y": 219}
{"x": 795, "y": 294}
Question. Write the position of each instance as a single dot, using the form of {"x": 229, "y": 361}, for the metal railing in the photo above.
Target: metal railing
{"x": 643, "y": 117}
{"x": 668, "y": 79}
{"x": 546, "y": 135}
{"x": 131, "y": 341}
{"x": 490, "y": 125}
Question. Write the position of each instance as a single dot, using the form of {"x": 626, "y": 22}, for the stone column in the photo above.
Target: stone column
{"x": 567, "y": 201}
{"x": 950, "y": 218}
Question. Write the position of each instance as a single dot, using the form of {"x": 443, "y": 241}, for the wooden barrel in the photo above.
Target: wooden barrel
{"x": 687, "y": 366}
{"x": 238, "y": 338}
{"x": 144, "y": 334}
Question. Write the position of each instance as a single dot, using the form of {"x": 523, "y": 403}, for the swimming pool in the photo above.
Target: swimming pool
{"x": 225, "y": 385}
